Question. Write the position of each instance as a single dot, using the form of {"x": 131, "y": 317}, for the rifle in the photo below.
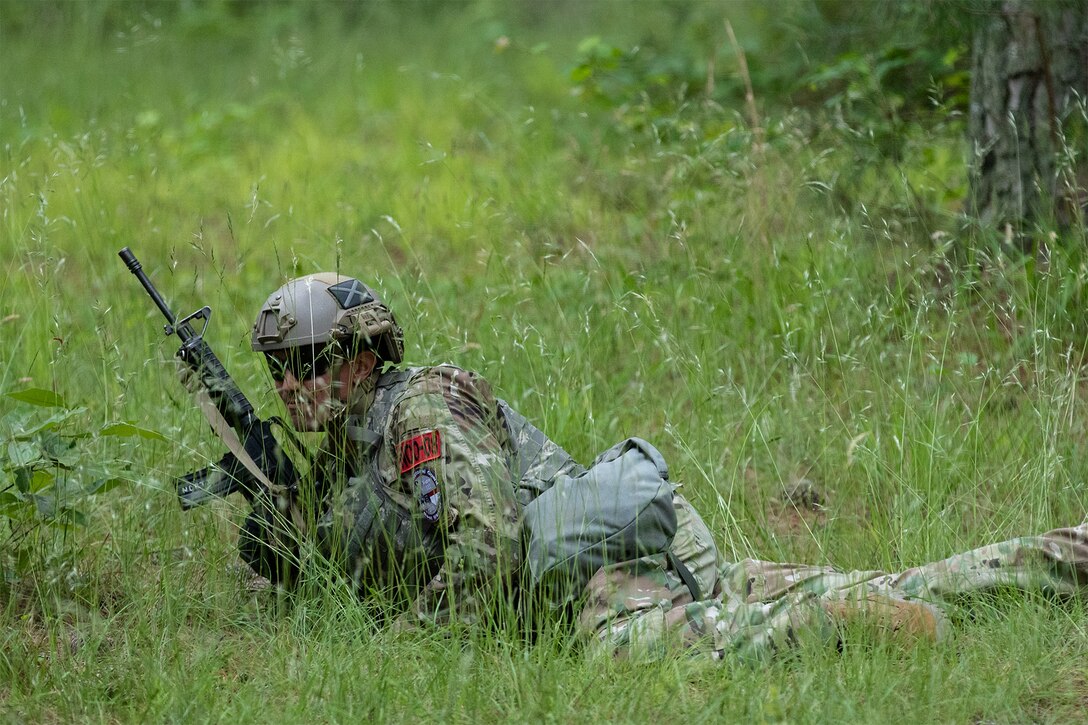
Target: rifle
{"x": 255, "y": 458}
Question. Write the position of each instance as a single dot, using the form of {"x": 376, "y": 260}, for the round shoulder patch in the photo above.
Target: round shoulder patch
{"x": 430, "y": 499}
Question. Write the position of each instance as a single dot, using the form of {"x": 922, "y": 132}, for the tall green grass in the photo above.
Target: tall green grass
{"x": 723, "y": 302}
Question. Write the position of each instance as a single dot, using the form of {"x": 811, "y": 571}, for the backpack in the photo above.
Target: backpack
{"x": 620, "y": 509}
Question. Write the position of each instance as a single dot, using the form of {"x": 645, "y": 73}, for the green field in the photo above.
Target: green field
{"x": 768, "y": 307}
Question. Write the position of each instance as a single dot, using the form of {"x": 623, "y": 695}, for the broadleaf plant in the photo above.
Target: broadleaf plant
{"x": 48, "y": 475}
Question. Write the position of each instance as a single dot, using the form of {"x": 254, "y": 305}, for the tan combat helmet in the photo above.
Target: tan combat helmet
{"x": 320, "y": 308}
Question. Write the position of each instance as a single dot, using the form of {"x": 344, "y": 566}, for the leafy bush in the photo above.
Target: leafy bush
{"x": 50, "y": 478}
{"x": 878, "y": 89}
{"x": 882, "y": 90}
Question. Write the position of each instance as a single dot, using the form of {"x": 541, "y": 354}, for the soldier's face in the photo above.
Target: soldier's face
{"x": 315, "y": 394}
{"x": 309, "y": 402}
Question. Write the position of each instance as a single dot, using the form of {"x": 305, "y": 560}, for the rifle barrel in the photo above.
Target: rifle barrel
{"x": 137, "y": 269}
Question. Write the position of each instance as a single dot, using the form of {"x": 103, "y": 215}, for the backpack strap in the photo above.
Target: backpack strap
{"x": 685, "y": 575}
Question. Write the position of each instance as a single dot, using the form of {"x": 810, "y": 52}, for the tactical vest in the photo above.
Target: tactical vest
{"x": 383, "y": 533}
{"x": 382, "y": 536}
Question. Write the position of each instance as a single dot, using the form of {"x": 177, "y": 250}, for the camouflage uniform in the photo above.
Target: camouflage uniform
{"x": 415, "y": 498}
{"x": 418, "y": 493}
{"x": 756, "y": 608}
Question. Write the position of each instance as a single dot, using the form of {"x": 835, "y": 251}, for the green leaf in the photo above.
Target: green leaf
{"x": 53, "y": 507}
{"x": 64, "y": 516}
{"x": 17, "y": 419}
{"x": 580, "y": 73}
{"x": 102, "y": 485}
{"x": 23, "y": 477}
{"x": 47, "y": 505}
{"x": 128, "y": 429}
{"x": 40, "y": 397}
{"x": 41, "y": 481}
{"x": 26, "y": 429}
{"x": 11, "y": 503}
{"x": 21, "y": 424}
{"x": 60, "y": 449}
{"x": 21, "y": 453}
{"x": 588, "y": 44}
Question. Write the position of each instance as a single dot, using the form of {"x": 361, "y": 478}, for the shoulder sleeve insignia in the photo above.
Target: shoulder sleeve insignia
{"x": 419, "y": 449}
{"x": 351, "y": 293}
{"x": 430, "y": 498}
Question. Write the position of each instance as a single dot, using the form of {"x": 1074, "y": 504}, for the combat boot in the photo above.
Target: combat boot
{"x": 912, "y": 618}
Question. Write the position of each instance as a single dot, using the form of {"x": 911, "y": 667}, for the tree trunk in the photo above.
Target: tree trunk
{"x": 1029, "y": 86}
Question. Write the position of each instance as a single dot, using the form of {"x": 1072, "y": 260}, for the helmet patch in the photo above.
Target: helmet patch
{"x": 351, "y": 293}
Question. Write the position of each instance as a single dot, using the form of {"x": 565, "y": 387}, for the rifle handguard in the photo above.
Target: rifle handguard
{"x": 229, "y": 474}
{"x": 218, "y": 480}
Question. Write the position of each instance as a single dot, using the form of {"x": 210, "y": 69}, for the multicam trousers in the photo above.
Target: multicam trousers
{"x": 752, "y": 608}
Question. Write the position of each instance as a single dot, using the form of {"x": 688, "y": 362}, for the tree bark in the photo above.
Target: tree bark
{"x": 1029, "y": 86}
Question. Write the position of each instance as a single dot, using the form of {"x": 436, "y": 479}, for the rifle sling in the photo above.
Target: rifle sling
{"x": 234, "y": 444}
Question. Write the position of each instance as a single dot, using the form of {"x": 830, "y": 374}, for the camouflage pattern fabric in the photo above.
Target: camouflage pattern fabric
{"x": 414, "y": 498}
{"x": 538, "y": 460}
{"x": 472, "y": 507}
{"x": 757, "y": 608}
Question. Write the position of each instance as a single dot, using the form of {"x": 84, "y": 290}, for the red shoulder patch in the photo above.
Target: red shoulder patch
{"x": 419, "y": 449}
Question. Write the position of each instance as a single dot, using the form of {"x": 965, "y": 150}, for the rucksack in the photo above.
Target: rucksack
{"x": 618, "y": 510}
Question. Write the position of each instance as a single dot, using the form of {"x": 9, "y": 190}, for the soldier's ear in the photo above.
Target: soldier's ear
{"x": 362, "y": 365}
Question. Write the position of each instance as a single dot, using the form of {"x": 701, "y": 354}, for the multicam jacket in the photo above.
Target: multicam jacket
{"x": 417, "y": 495}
